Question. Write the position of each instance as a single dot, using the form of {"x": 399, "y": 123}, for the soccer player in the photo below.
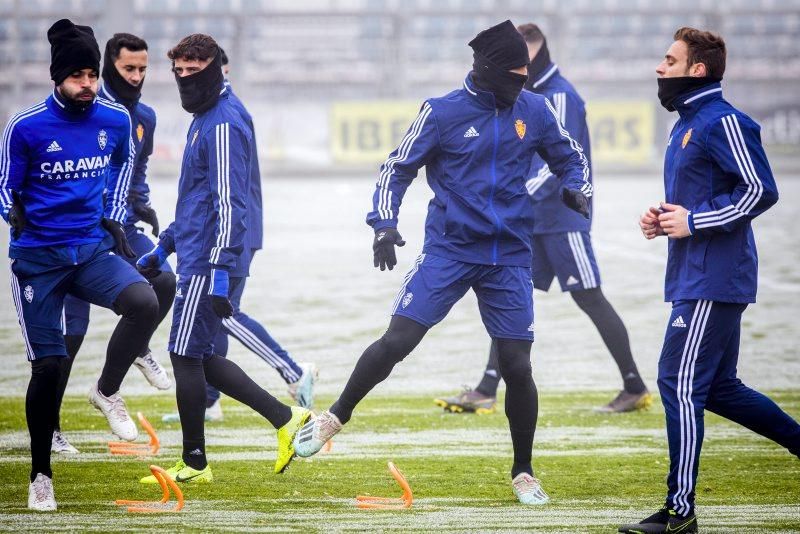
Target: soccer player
{"x": 299, "y": 377}
{"x": 57, "y": 159}
{"x": 717, "y": 180}
{"x": 124, "y": 69}
{"x": 210, "y": 238}
{"x": 562, "y": 247}
{"x": 476, "y": 144}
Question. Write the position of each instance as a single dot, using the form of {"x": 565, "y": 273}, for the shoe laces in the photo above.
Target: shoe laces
{"x": 42, "y": 488}
{"x": 525, "y": 483}
{"x": 60, "y": 440}
{"x": 118, "y": 407}
{"x": 151, "y": 362}
{"x": 328, "y": 426}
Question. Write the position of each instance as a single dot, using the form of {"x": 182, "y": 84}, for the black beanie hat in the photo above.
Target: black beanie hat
{"x": 503, "y": 45}
{"x": 72, "y": 48}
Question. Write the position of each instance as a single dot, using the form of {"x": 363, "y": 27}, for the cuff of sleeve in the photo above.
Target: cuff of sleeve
{"x": 384, "y": 223}
{"x": 690, "y": 220}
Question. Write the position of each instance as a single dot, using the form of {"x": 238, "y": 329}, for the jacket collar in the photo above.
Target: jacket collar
{"x": 484, "y": 98}
{"x": 59, "y": 106}
{"x": 689, "y": 103}
{"x": 546, "y": 74}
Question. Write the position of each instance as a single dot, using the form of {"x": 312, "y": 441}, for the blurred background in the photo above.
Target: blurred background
{"x": 333, "y": 84}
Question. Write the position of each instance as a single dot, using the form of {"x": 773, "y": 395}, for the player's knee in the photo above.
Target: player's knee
{"x": 138, "y": 301}
{"x": 395, "y": 345}
{"x": 587, "y": 299}
{"x": 514, "y": 360}
{"x": 164, "y": 286}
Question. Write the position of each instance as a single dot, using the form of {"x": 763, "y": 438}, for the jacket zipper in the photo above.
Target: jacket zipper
{"x": 491, "y": 194}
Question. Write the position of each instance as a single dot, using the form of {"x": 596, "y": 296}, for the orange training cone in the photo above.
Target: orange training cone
{"x": 389, "y": 503}
{"x": 149, "y": 507}
{"x": 125, "y": 448}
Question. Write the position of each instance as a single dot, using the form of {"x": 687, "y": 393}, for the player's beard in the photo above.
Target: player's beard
{"x": 74, "y": 103}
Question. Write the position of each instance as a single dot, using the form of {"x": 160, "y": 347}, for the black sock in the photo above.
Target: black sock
{"x": 491, "y": 376}
{"x": 229, "y": 378}
{"x": 614, "y": 334}
{"x": 190, "y": 392}
{"x": 40, "y": 411}
{"x": 139, "y": 308}
{"x": 522, "y": 401}
{"x": 73, "y": 344}
{"x": 377, "y": 362}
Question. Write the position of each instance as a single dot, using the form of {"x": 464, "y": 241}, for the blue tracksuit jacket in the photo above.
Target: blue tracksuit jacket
{"x": 143, "y": 126}
{"x": 61, "y": 163}
{"x": 715, "y": 167}
{"x": 477, "y": 159}
{"x": 211, "y": 214}
{"x": 255, "y": 209}
{"x": 550, "y": 214}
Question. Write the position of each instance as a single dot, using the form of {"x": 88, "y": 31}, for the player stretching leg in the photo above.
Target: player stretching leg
{"x": 300, "y": 377}
{"x": 57, "y": 159}
{"x": 717, "y": 180}
{"x": 124, "y": 69}
{"x": 562, "y": 247}
{"x": 209, "y": 237}
{"x": 476, "y": 144}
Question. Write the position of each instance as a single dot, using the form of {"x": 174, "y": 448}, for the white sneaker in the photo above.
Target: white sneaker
{"x": 153, "y": 372}
{"x": 40, "y": 494}
{"x": 528, "y": 489}
{"x": 61, "y": 444}
{"x": 316, "y": 433}
{"x": 114, "y": 409}
{"x": 214, "y": 412}
{"x": 302, "y": 391}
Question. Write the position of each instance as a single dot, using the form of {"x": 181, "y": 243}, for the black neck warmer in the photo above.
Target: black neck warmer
{"x": 503, "y": 84}
{"x": 538, "y": 65}
{"x": 200, "y": 91}
{"x": 127, "y": 94}
{"x": 671, "y": 88}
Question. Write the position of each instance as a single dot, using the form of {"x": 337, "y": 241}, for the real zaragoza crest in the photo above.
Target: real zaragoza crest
{"x": 686, "y": 138}
{"x": 140, "y": 132}
{"x": 102, "y": 139}
{"x": 520, "y": 127}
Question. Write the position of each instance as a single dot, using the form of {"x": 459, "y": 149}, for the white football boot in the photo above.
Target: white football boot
{"x": 315, "y": 434}
{"x": 152, "y": 371}
{"x": 61, "y": 444}
{"x": 114, "y": 409}
{"x": 302, "y": 391}
{"x": 528, "y": 489}
{"x": 40, "y": 494}
{"x": 214, "y": 412}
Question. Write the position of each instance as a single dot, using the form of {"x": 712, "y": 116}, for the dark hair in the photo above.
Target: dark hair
{"x": 197, "y": 46}
{"x": 223, "y": 56}
{"x": 124, "y": 40}
{"x": 531, "y": 32}
{"x": 705, "y": 47}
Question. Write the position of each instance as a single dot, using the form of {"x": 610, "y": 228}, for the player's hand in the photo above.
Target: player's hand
{"x": 575, "y": 200}
{"x": 674, "y": 221}
{"x": 150, "y": 264}
{"x": 649, "y": 224}
{"x": 122, "y": 247}
{"x": 16, "y": 215}
{"x": 383, "y": 248}
{"x": 147, "y": 215}
{"x": 218, "y": 290}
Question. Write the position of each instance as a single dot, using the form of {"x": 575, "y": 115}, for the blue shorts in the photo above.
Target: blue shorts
{"x": 194, "y": 323}
{"x": 434, "y": 285}
{"x": 567, "y": 255}
{"x": 76, "y": 311}
{"x": 39, "y": 290}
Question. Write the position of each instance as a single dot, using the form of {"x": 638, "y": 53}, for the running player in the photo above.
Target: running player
{"x": 717, "y": 180}
{"x": 57, "y": 159}
{"x": 476, "y": 144}
{"x": 209, "y": 236}
{"x": 562, "y": 247}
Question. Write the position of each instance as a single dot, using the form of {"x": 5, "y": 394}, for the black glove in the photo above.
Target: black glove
{"x": 222, "y": 306}
{"x": 383, "y": 247}
{"x": 118, "y": 233}
{"x": 575, "y": 200}
{"x": 16, "y": 215}
{"x": 148, "y": 215}
{"x": 218, "y": 290}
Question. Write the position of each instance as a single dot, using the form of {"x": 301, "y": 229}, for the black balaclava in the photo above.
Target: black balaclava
{"x": 540, "y": 62}
{"x": 200, "y": 91}
{"x": 496, "y": 51}
{"x": 671, "y": 88}
{"x": 127, "y": 94}
{"x": 72, "y": 48}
